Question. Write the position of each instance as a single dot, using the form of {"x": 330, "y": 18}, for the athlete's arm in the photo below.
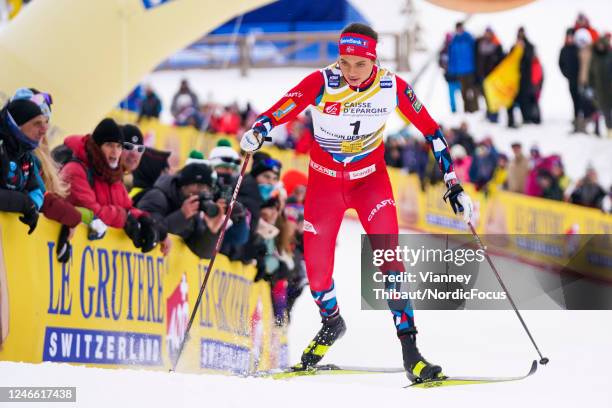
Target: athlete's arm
{"x": 411, "y": 109}
{"x": 292, "y": 103}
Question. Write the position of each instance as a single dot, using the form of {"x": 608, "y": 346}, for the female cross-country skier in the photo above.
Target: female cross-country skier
{"x": 352, "y": 100}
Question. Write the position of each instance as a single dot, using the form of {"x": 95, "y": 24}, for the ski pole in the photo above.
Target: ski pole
{"x": 543, "y": 360}
{"x": 212, "y": 260}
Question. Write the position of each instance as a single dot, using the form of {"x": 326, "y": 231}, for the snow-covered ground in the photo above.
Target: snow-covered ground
{"x": 464, "y": 342}
{"x": 545, "y": 22}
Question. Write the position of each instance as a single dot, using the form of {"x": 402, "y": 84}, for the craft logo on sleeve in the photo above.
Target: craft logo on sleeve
{"x": 284, "y": 109}
{"x": 294, "y": 94}
{"x": 332, "y": 108}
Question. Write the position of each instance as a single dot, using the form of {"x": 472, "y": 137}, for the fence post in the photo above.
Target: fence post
{"x": 244, "y": 55}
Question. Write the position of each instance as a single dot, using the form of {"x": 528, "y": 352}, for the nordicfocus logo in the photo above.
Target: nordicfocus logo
{"x": 332, "y": 108}
{"x": 380, "y": 206}
{"x": 353, "y": 41}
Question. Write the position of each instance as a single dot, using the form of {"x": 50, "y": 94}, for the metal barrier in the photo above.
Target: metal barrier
{"x": 275, "y": 50}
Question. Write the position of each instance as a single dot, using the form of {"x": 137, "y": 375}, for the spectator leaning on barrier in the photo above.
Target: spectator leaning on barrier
{"x": 22, "y": 126}
{"x": 461, "y": 66}
{"x": 518, "y": 169}
{"x": 183, "y": 205}
{"x": 55, "y": 206}
{"x": 256, "y": 189}
{"x": 462, "y": 162}
{"x": 95, "y": 175}
{"x": 483, "y": 164}
{"x": 154, "y": 163}
{"x": 133, "y": 147}
{"x": 275, "y": 262}
{"x": 588, "y": 192}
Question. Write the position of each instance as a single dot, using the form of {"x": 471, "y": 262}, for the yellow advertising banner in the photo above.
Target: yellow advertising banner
{"x": 112, "y": 306}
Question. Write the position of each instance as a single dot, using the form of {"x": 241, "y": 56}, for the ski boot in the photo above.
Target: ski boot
{"x": 333, "y": 328}
{"x": 417, "y": 368}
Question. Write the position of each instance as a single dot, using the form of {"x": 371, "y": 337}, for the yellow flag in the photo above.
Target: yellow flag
{"x": 502, "y": 84}
{"x": 14, "y": 7}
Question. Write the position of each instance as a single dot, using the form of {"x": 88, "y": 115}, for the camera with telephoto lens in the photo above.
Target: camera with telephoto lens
{"x": 224, "y": 189}
{"x": 207, "y": 205}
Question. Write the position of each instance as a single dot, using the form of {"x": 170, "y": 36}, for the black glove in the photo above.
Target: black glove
{"x": 132, "y": 230}
{"x": 261, "y": 271}
{"x": 238, "y": 212}
{"x": 63, "y": 250}
{"x": 149, "y": 233}
{"x": 451, "y": 195}
{"x": 30, "y": 215}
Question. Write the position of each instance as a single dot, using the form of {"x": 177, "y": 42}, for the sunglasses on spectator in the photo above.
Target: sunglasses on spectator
{"x": 42, "y": 97}
{"x": 131, "y": 146}
{"x": 229, "y": 160}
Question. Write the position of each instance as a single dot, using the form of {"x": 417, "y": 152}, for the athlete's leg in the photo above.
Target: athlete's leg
{"x": 372, "y": 197}
{"x": 324, "y": 209}
{"x": 373, "y": 200}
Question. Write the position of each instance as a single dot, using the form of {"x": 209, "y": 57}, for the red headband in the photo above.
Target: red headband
{"x": 357, "y": 44}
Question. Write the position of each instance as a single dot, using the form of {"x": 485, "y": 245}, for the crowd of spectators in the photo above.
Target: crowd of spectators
{"x": 110, "y": 179}
{"x": 489, "y": 170}
{"x": 585, "y": 60}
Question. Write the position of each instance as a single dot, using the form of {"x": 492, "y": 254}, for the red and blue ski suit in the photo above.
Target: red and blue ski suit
{"x": 347, "y": 167}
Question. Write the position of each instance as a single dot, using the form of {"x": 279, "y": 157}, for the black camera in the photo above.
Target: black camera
{"x": 207, "y": 205}
{"x": 224, "y": 189}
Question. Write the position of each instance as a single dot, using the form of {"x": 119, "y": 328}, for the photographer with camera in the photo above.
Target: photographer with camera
{"x": 226, "y": 163}
{"x": 184, "y": 204}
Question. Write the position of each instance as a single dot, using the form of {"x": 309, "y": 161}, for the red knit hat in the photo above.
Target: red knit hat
{"x": 292, "y": 179}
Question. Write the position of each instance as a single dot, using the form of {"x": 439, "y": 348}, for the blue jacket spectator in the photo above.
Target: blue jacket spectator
{"x": 483, "y": 164}
{"x": 22, "y": 127}
{"x": 462, "y": 66}
{"x": 461, "y": 57}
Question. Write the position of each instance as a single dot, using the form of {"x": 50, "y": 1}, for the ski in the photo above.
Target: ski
{"x": 451, "y": 381}
{"x": 324, "y": 369}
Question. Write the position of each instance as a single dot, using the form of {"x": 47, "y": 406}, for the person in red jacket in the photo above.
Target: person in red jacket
{"x": 95, "y": 175}
{"x": 351, "y": 101}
